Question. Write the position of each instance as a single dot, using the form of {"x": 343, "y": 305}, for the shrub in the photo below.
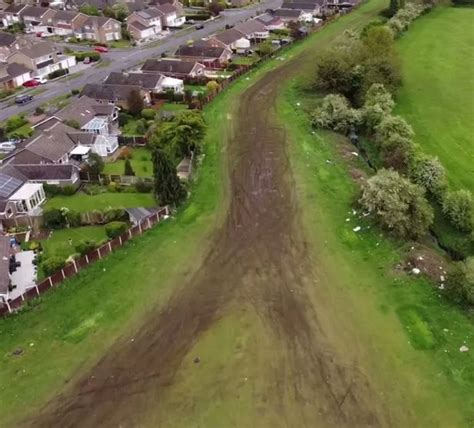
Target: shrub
{"x": 68, "y": 190}
{"x": 52, "y": 265}
{"x": 391, "y": 126}
{"x": 143, "y": 187}
{"x": 75, "y": 92}
{"x": 378, "y": 104}
{"x": 460, "y": 282}
{"x": 458, "y": 207}
{"x": 53, "y": 218}
{"x": 397, "y": 204}
{"x": 115, "y": 228}
{"x": 429, "y": 173}
{"x": 95, "y": 164}
{"x": 124, "y": 118}
{"x": 81, "y": 56}
{"x": 148, "y": 113}
{"x": 397, "y": 153}
{"x": 115, "y": 214}
{"x": 128, "y": 169}
{"x": 335, "y": 114}
{"x": 93, "y": 189}
{"x": 85, "y": 246}
{"x": 57, "y": 73}
{"x": 51, "y": 190}
{"x": 112, "y": 187}
{"x": 39, "y": 110}
{"x": 73, "y": 218}
{"x": 15, "y": 122}
{"x": 212, "y": 86}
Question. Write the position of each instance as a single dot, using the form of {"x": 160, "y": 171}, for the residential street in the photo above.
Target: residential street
{"x": 122, "y": 59}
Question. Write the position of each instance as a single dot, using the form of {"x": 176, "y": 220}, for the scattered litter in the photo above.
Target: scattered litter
{"x": 354, "y": 212}
{"x": 366, "y": 213}
{"x": 441, "y": 278}
{"x": 328, "y": 161}
{"x": 441, "y": 286}
{"x": 245, "y": 379}
{"x": 377, "y": 244}
{"x": 463, "y": 348}
{"x": 247, "y": 78}
{"x": 356, "y": 229}
{"x": 355, "y": 153}
{"x": 420, "y": 258}
{"x": 412, "y": 248}
{"x": 132, "y": 340}
{"x": 166, "y": 216}
{"x": 104, "y": 269}
{"x": 32, "y": 344}
{"x": 445, "y": 330}
{"x": 416, "y": 271}
{"x": 298, "y": 104}
{"x": 197, "y": 360}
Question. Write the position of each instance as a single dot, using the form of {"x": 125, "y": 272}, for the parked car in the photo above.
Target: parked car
{"x": 101, "y": 49}
{"x": 31, "y": 83}
{"x": 23, "y": 99}
{"x": 7, "y": 146}
{"x": 199, "y": 27}
{"x": 190, "y": 21}
{"x": 40, "y": 79}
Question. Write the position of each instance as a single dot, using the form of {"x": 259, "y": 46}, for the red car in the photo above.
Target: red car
{"x": 31, "y": 84}
{"x": 101, "y": 49}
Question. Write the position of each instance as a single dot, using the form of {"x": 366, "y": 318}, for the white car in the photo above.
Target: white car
{"x": 7, "y": 146}
{"x": 41, "y": 79}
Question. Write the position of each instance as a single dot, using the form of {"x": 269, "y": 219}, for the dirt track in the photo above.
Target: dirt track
{"x": 260, "y": 258}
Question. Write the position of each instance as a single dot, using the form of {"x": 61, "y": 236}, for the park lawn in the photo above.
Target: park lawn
{"x": 141, "y": 164}
{"x": 58, "y": 243}
{"x": 81, "y": 202}
{"x": 438, "y": 86}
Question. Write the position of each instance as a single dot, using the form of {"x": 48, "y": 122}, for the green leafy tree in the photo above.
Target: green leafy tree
{"x": 95, "y": 164}
{"x": 88, "y": 9}
{"x": 397, "y": 204}
{"x": 378, "y": 105}
{"x": 212, "y": 86}
{"x": 460, "y": 282}
{"x": 264, "y": 49}
{"x": 121, "y": 11}
{"x": 135, "y": 102}
{"x": 335, "y": 114}
{"x": 168, "y": 188}
{"x": 458, "y": 206}
{"x": 128, "y": 169}
{"x": 428, "y": 172}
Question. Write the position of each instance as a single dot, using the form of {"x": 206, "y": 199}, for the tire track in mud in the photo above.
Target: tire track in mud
{"x": 258, "y": 256}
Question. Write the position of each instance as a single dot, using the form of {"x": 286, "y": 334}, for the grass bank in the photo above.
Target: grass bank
{"x": 438, "y": 86}
{"x": 415, "y": 334}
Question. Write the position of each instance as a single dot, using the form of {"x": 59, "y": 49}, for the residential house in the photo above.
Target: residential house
{"x": 174, "y": 67}
{"x": 209, "y": 56}
{"x": 145, "y": 24}
{"x": 170, "y": 16}
{"x": 113, "y": 94}
{"x": 57, "y": 175}
{"x": 8, "y": 45}
{"x": 18, "y": 197}
{"x": 65, "y": 23}
{"x": 152, "y": 83}
{"x": 98, "y": 28}
{"x": 91, "y": 116}
{"x": 253, "y": 30}
{"x": 11, "y": 15}
{"x": 293, "y": 15}
{"x": 313, "y": 8}
{"x": 231, "y": 39}
{"x": 13, "y": 75}
{"x": 176, "y": 3}
{"x": 271, "y": 22}
{"x": 42, "y": 59}
{"x": 33, "y": 17}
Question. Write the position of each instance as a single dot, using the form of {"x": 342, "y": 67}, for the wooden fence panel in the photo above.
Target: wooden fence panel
{"x": 115, "y": 243}
{"x": 57, "y": 278}
{"x": 31, "y": 294}
{"x": 93, "y": 256}
{"x": 44, "y": 285}
{"x": 125, "y": 237}
{"x": 104, "y": 250}
{"x": 69, "y": 270}
{"x": 81, "y": 262}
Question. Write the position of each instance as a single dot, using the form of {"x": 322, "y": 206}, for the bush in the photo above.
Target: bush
{"x": 458, "y": 207}
{"x": 124, "y": 118}
{"x": 68, "y": 190}
{"x": 143, "y": 187}
{"x": 57, "y": 73}
{"x": 128, "y": 169}
{"x": 81, "y": 56}
{"x": 391, "y": 126}
{"x": 39, "y": 110}
{"x": 112, "y": 187}
{"x": 335, "y": 114}
{"x": 115, "y": 228}
{"x": 53, "y": 218}
{"x": 73, "y": 218}
{"x": 148, "y": 113}
{"x": 85, "y": 246}
{"x": 93, "y": 189}
{"x": 397, "y": 204}
{"x": 95, "y": 164}
{"x": 397, "y": 153}
{"x": 52, "y": 265}
{"x": 115, "y": 214}
{"x": 460, "y": 282}
{"x": 15, "y": 122}
{"x": 429, "y": 173}
{"x": 75, "y": 92}
{"x": 378, "y": 104}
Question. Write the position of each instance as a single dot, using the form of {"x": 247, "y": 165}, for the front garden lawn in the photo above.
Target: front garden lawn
{"x": 141, "y": 164}
{"x": 132, "y": 128}
{"x": 173, "y": 107}
{"x": 438, "y": 86}
{"x": 82, "y": 202}
{"x": 58, "y": 244}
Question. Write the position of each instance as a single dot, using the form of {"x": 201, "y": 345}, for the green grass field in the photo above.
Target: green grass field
{"x": 141, "y": 164}
{"x": 438, "y": 86}
{"x": 58, "y": 244}
{"x": 82, "y": 202}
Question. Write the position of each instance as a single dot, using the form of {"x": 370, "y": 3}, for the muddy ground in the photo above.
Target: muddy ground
{"x": 259, "y": 259}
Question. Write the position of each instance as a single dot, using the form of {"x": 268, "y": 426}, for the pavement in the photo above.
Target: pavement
{"x": 124, "y": 59}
